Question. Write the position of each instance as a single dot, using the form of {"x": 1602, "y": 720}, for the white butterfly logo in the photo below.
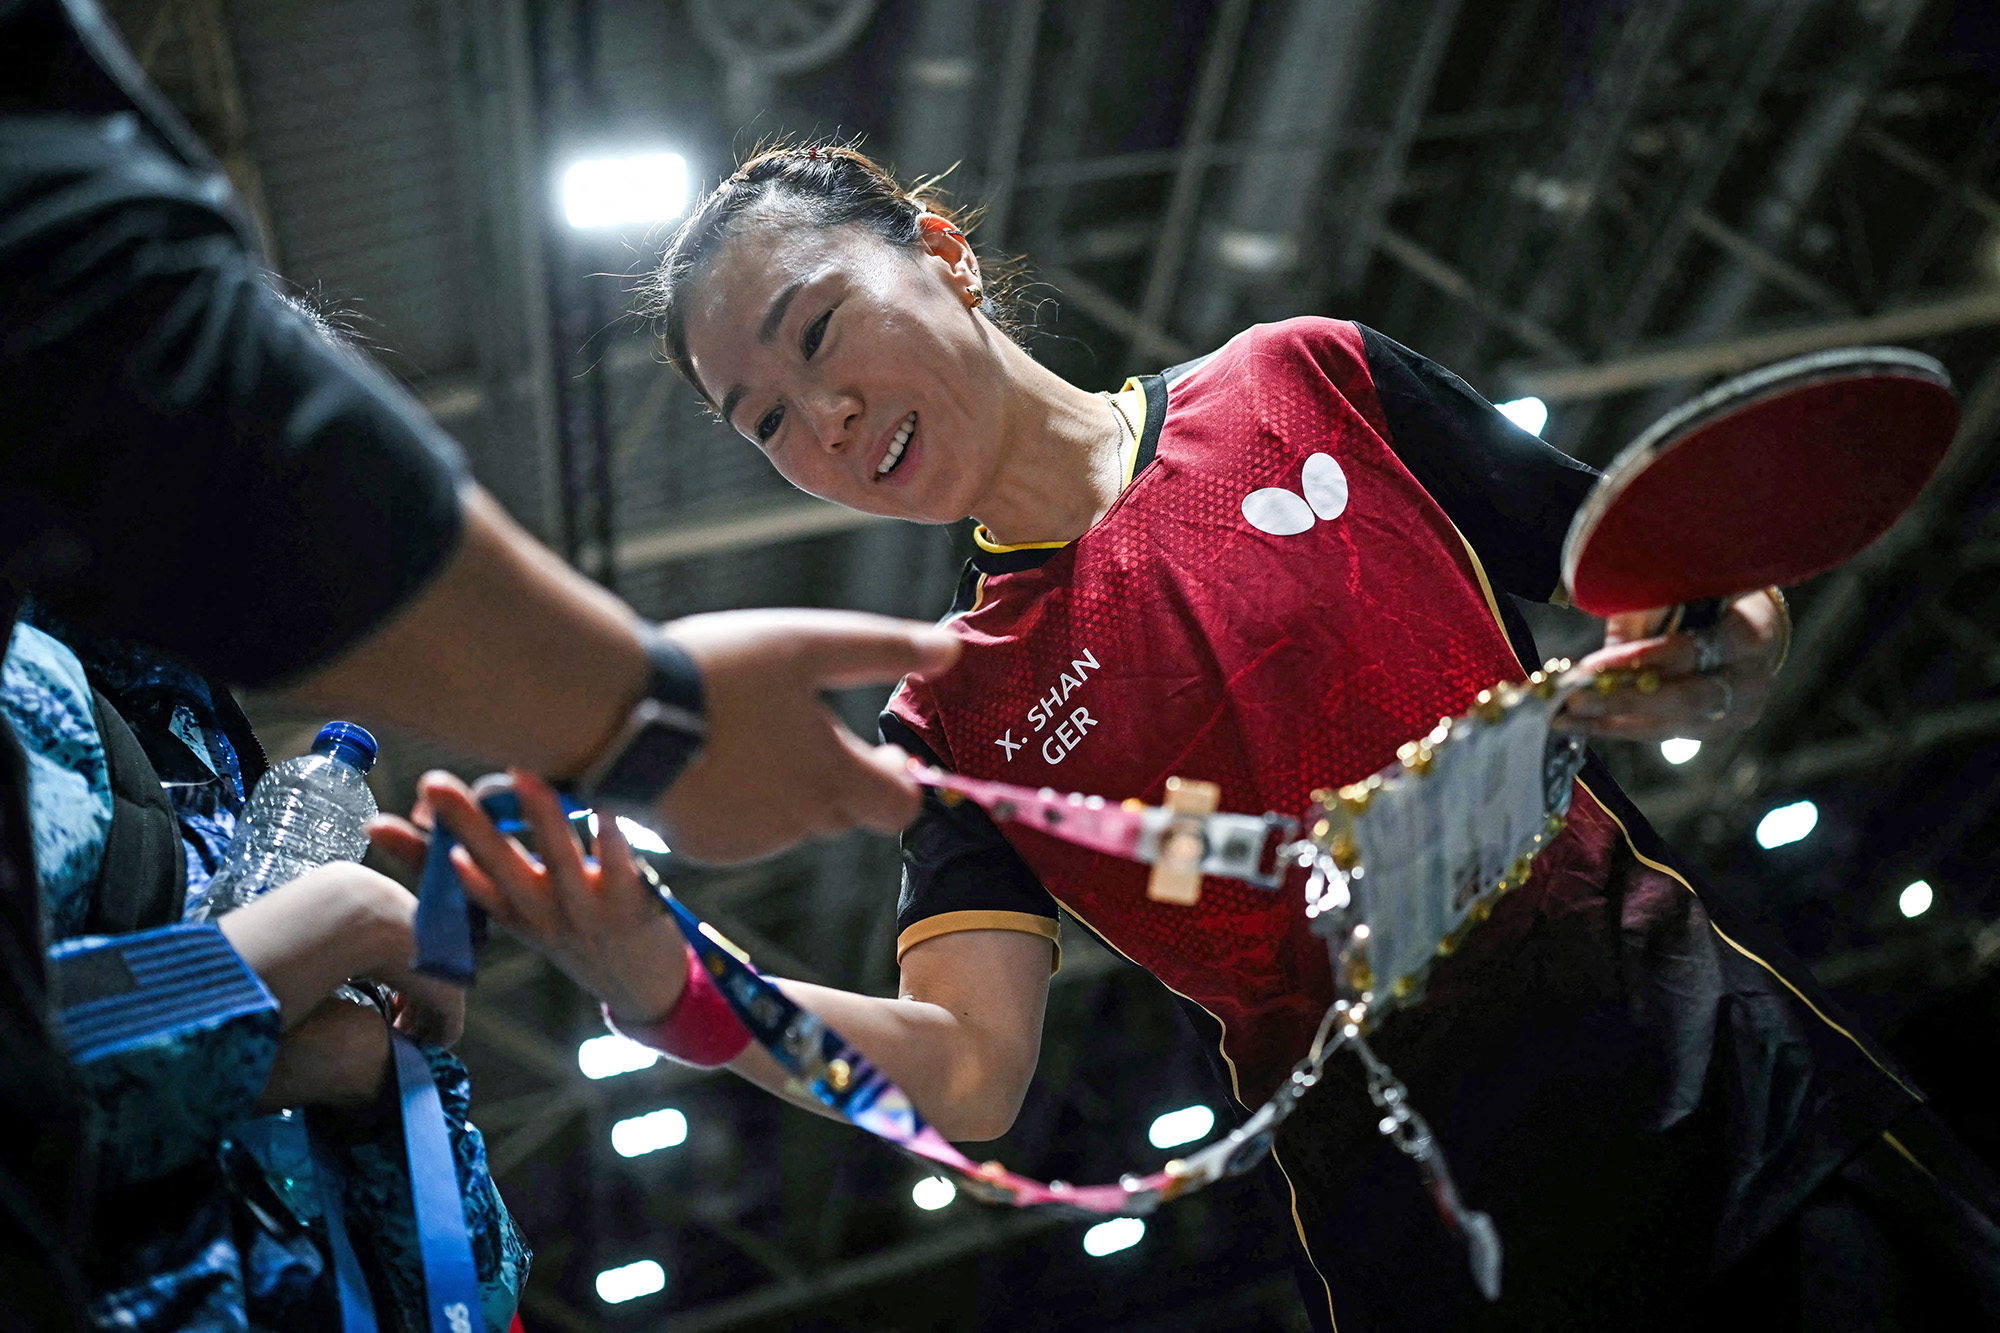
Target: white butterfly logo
{"x": 1283, "y": 513}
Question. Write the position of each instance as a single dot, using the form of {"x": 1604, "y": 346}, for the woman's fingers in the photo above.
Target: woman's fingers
{"x": 1697, "y": 706}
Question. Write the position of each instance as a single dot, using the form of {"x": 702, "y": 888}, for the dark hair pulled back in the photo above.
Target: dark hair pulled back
{"x": 815, "y": 184}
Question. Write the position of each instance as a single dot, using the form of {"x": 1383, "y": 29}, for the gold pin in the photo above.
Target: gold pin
{"x": 1345, "y": 851}
{"x": 1417, "y": 757}
{"x": 1542, "y": 685}
{"x": 1521, "y": 869}
{"x": 1489, "y": 708}
{"x": 1321, "y": 830}
{"x": 1355, "y": 798}
{"x": 1480, "y": 911}
{"x": 1606, "y": 682}
{"x": 951, "y": 797}
{"x": 1132, "y": 804}
{"x": 1176, "y": 876}
{"x": 1176, "y": 1168}
{"x": 1648, "y": 681}
{"x": 1449, "y": 944}
{"x": 1405, "y": 987}
{"x": 1555, "y": 825}
{"x": 1322, "y": 796}
{"x": 1357, "y": 977}
{"x": 839, "y": 1075}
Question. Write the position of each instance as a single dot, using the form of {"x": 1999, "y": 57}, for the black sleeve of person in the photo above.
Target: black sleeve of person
{"x": 1511, "y": 494}
{"x": 164, "y": 405}
{"x": 955, "y": 858}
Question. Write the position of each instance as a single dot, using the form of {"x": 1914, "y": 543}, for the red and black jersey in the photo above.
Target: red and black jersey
{"x": 1300, "y": 576}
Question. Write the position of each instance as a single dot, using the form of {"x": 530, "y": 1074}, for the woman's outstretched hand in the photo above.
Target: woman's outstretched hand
{"x": 1711, "y": 681}
{"x": 596, "y": 919}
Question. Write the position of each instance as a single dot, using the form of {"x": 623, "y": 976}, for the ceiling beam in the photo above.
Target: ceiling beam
{"x": 1842, "y": 756}
{"x": 1148, "y": 340}
{"x": 1017, "y": 85}
{"x": 1392, "y": 156}
{"x": 1976, "y": 308}
{"x": 1218, "y": 68}
{"x": 1440, "y": 274}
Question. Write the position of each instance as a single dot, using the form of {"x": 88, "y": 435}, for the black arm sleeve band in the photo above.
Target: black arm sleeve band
{"x": 1510, "y": 494}
{"x": 163, "y": 407}
{"x": 954, "y": 857}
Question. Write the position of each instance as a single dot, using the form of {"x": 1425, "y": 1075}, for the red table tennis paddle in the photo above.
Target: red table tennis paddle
{"x": 1768, "y": 478}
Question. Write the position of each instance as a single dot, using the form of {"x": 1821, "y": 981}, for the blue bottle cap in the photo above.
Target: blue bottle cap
{"x": 348, "y": 743}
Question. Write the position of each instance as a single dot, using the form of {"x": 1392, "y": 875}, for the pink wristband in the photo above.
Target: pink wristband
{"x": 701, "y": 1029}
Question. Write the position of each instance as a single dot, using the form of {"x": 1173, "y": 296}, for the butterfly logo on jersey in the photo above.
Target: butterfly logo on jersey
{"x": 1285, "y": 513}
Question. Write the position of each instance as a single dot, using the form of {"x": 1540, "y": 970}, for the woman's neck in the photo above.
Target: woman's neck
{"x": 1061, "y": 460}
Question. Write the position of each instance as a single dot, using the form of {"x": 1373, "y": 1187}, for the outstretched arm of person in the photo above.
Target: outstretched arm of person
{"x": 512, "y": 655}
{"x": 962, "y": 1036}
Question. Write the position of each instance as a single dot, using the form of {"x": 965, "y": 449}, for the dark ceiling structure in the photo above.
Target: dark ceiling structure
{"x": 1603, "y": 204}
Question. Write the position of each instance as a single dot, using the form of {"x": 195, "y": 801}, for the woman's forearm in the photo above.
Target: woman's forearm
{"x": 937, "y": 1061}
{"x": 966, "y": 1065}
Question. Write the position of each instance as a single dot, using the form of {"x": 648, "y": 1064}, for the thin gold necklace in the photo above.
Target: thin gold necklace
{"x": 1123, "y": 420}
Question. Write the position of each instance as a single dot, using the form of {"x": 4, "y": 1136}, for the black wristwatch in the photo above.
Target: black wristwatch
{"x": 660, "y": 738}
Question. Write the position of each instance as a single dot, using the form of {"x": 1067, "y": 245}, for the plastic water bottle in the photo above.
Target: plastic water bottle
{"x": 303, "y": 814}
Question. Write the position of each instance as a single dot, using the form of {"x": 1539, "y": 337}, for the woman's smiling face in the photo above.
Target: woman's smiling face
{"x": 855, "y": 364}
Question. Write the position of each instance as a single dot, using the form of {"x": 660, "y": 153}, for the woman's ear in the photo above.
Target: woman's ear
{"x": 948, "y": 243}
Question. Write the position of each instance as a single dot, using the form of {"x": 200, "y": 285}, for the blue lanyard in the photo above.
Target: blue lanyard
{"x": 451, "y": 1280}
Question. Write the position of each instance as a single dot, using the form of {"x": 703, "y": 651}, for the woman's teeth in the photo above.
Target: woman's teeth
{"x": 897, "y": 445}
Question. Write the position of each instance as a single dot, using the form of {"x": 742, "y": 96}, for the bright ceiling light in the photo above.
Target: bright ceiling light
{"x": 1787, "y": 824}
{"x": 602, "y": 1057}
{"x": 1530, "y": 414}
{"x": 637, "y": 835}
{"x": 1182, "y": 1126}
{"x": 1916, "y": 899}
{"x": 651, "y": 1132}
{"x": 1679, "y": 749}
{"x": 616, "y": 1285}
{"x": 932, "y": 1193}
{"x": 1120, "y": 1233}
{"x": 610, "y": 191}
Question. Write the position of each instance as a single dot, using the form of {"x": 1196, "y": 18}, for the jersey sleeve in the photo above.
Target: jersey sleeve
{"x": 959, "y": 872}
{"x": 1509, "y": 493}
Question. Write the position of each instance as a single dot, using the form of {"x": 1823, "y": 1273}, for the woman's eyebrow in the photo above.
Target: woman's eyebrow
{"x": 775, "y": 316}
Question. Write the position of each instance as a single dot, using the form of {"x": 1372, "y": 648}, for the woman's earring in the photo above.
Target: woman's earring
{"x": 978, "y": 296}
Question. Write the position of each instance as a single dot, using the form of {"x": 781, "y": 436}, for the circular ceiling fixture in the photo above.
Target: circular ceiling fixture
{"x": 779, "y": 37}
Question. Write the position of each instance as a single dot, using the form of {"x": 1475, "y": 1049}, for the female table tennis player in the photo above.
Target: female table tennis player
{"x": 1267, "y": 568}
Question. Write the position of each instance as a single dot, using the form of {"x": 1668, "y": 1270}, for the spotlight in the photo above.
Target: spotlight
{"x": 1679, "y": 749}
{"x": 616, "y": 1285}
{"x": 1182, "y": 1126}
{"x": 1916, "y": 899}
{"x": 932, "y": 1193}
{"x": 1787, "y": 824}
{"x": 602, "y": 1057}
{"x": 1120, "y": 1233}
{"x": 1530, "y": 414}
{"x": 608, "y": 191}
{"x": 649, "y": 1133}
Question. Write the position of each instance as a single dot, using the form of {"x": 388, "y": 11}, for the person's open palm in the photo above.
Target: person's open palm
{"x": 596, "y": 919}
